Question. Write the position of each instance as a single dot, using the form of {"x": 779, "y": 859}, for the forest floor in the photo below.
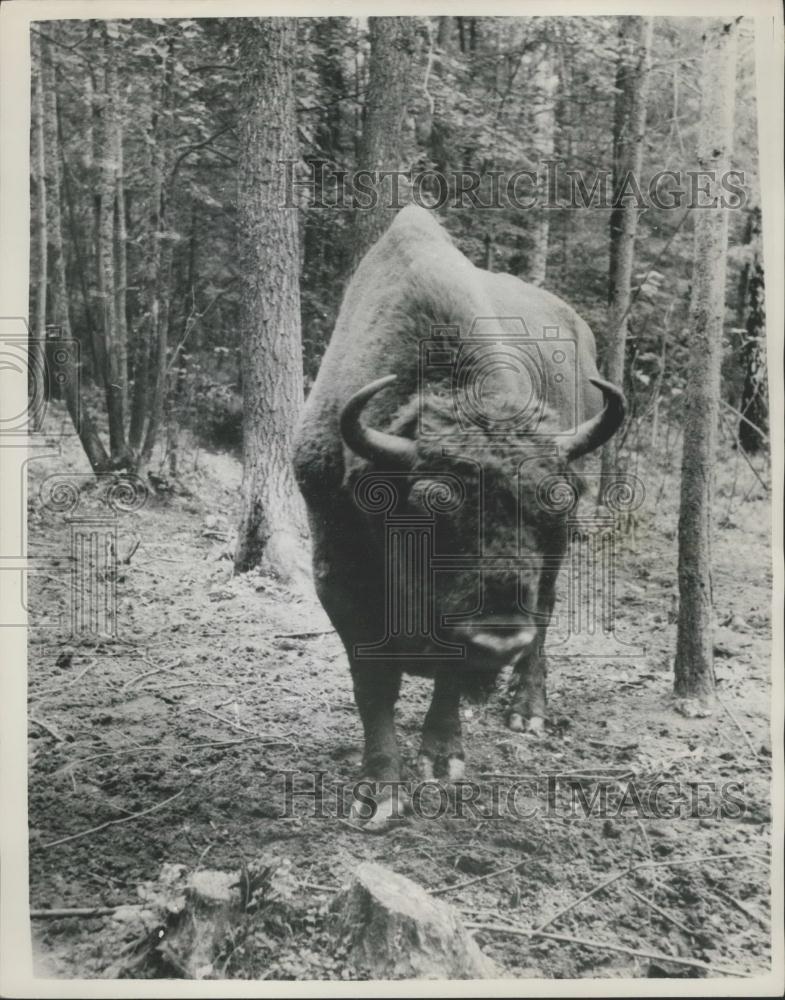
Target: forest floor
{"x": 215, "y": 688}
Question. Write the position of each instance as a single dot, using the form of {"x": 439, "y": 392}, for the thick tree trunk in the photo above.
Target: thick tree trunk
{"x": 694, "y": 669}
{"x": 381, "y": 146}
{"x": 545, "y": 83}
{"x": 60, "y": 312}
{"x": 272, "y": 524}
{"x": 629, "y": 126}
{"x": 114, "y": 375}
{"x": 38, "y": 380}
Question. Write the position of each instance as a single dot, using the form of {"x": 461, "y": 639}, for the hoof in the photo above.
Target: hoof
{"x": 456, "y": 769}
{"x": 515, "y": 722}
{"x": 535, "y": 726}
{"x": 388, "y": 806}
{"x": 425, "y": 767}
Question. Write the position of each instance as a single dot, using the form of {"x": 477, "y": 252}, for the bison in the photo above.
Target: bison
{"x": 450, "y": 403}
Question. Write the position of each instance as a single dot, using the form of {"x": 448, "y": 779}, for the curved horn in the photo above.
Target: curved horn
{"x": 376, "y": 446}
{"x": 597, "y": 430}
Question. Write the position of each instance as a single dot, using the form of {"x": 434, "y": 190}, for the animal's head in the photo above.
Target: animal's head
{"x": 497, "y": 534}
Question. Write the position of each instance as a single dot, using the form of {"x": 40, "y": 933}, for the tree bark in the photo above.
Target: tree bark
{"x": 545, "y": 83}
{"x": 752, "y": 322}
{"x": 60, "y": 312}
{"x": 121, "y": 287}
{"x": 381, "y": 145}
{"x": 38, "y": 378}
{"x": 694, "y": 668}
{"x": 271, "y": 531}
{"x": 107, "y": 279}
{"x": 150, "y": 389}
{"x": 629, "y": 126}
{"x": 754, "y": 397}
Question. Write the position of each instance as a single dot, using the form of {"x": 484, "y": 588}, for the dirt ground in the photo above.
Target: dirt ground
{"x": 214, "y": 688}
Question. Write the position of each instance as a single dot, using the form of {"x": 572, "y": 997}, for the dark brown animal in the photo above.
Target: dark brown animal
{"x": 449, "y": 403}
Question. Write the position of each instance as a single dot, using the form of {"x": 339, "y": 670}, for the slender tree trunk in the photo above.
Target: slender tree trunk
{"x": 694, "y": 668}
{"x": 632, "y": 87}
{"x": 444, "y": 33}
{"x": 754, "y": 395}
{"x": 75, "y": 239}
{"x": 38, "y": 378}
{"x": 93, "y": 127}
{"x": 381, "y": 146}
{"x": 545, "y": 84}
{"x": 160, "y": 272}
{"x": 752, "y": 320}
{"x": 272, "y": 523}
{"x": 121, "y": 288}
{"x": 60, "y": 312}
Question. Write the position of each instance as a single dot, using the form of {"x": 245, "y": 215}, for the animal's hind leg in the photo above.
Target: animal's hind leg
{"x": 441, "y": 750}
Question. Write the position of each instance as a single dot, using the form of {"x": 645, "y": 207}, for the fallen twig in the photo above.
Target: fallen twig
{"x": 483, "y": 878}
{"x": 126, "y": 560}
{"x": 80, "y": 911}
{"x": 609, "y": 775}
{"x": 642, "y": 864}
{"x": 213, "y": 684}
{"x": 239, "y": 728}
{"x": 693, "y": 963}
{"x": 738, "y": 725}
{"x": 115, "y": 822}
{"x": 163, "y": 747}
{"x": 304, "y": 635}
{"x": 740, "y": 906}
{"x": 148, "y": 673}
{"x": 663, "y": 913}
{"x": 603, "y": 745}
{"x": 45, "y": 726}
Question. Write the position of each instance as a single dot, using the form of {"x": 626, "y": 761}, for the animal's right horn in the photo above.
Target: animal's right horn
{"x": 597, "y": 430}
{"x": 377, "y": 446}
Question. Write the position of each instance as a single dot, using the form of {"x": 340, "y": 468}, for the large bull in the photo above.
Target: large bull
{"x": 449, "y": 404}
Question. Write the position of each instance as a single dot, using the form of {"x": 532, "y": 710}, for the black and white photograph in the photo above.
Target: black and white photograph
{"x": 392, "y": 499}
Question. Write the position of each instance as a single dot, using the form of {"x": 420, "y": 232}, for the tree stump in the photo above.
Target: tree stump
{"x": 395, "y": 930}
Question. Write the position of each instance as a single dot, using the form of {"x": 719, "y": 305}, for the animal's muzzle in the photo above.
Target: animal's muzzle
{"x": 499, "y": 643}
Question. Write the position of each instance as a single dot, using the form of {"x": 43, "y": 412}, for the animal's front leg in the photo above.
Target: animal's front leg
{"x": 441, "y": 751}
{"x": 527, "y": 711}
{"x": 376, "y": 687}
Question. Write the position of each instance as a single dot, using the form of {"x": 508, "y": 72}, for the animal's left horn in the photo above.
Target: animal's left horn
{"x": 593, "y": 433}
{"x": 376, "y": 446}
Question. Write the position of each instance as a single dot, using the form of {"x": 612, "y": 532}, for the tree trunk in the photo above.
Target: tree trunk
{"x": 272, "y": 524}
{"x": 121, "y": 287}
{"x": 752, "y": 320}
{"x": 115, "y": 377}
{"x": 632, "y": 86}
{"x": 150, "y": 384}
{"x": 444, "y": 33}
{"x": 381, "y": 145}
{"x": 545, "y": 84}
{"x": 694, "y": 668}
{"x": 38, "y": 378}
{"x": 92, "y": 122}
{"x": 60, "y": 312}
